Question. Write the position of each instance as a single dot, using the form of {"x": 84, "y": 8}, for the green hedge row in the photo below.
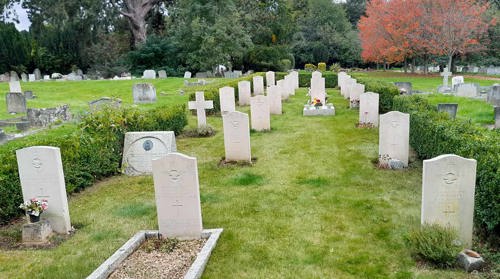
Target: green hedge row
{"x": 387, "y": 91}
{"x": 433, "y": 134}
{"x": 92, "y": 152}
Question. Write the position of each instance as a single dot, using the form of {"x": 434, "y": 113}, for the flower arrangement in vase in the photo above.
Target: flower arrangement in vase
{"x": 34, "y": 207}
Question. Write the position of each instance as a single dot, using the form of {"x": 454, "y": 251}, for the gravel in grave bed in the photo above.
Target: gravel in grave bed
{"x": 160, "y": 258}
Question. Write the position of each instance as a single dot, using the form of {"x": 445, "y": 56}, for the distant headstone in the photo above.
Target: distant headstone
{"x": 15, "y": 87}
{"x": 42, "y": 177}
{"x": 316, "y": 74}
{"x": 56, "y": 76}
{"x": 177, "y": 195}
{"x": 200, "y": 105}
{"x": 238, "y": 73}
{"x": 244, "y": 92}
{"x": 201, "y": 75}
{"x": 79, "y": 72}
{"x": 451, "y": 109}
{"x": 227, "y": 100}
{"x": 73, "y": 77}
{"x": 140, "y": 148}
{"x": 445, "y": 74}
{"x": 497, "y": 117}
{"x": 341, "y": 77}
{"x": 236, "y": 136}
{"x": 43, "y": 117}
{"x": 5, "y": 77}
{"x": 260, "y": 113}
{"x": 149, "y": 74}
{"x": 405, "y": 88}
{"x": 466, "y": 90}
{"x": 104, "y": 102}
{"x": 274, "y": 96}
{"x": 270, "y": 79}
{"x": 46, "y": 77}
{"x": 290, "y": 84}
{"x": 187, "y": 74}
{"x": 24, "y": 77}
{"x": 14, "y": 76}
{"x": 16, "y": 102}
{"x": 281, "y": 88}
{"x": 355, "y": 92}
{"x": 29, "y": 95}
{"x": 448, "y": 186}
{"x": 394, "y": 134}
{"x": 31, "y": 77}
{"x": 456, "y": 81}
{"x": 368, "y": 108}
{"x": 162, "y": 74}
{"x": 295, "y": 77}
{"x": 144, "y": 93}
{"x": 258, "y": 85}
{"x": 493, "y": 96}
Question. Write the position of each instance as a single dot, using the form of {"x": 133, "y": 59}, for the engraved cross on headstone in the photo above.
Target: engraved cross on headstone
{"x": 200, "y": 105}
{"x": 445, "y": 74}
{"x": 177, "y": 205}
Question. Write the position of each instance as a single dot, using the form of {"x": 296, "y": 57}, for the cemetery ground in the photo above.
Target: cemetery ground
{"x": 314, "y": 205}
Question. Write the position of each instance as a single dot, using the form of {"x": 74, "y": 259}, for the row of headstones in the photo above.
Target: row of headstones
{"x": 36, "y": 76}
{"x": 350, "y": 89}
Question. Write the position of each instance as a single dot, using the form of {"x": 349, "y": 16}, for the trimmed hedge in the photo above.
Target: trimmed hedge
{"x": 305, "y": 78}
{"x": 433, "y": 134}
{"x": 387, "y": 91}
{"x": 90, "y": 153}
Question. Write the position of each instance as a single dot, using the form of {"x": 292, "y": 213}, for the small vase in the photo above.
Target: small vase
{"x": 34, "y": 219}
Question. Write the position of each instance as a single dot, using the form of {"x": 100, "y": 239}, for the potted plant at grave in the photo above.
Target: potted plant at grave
{"x": 34, "y": 208}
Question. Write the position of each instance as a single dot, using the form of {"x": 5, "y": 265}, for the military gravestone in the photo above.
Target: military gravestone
{"x": 258, "y": 85}
{"x": 227, "y": 100}
{"x": 368, "y": 108}
{"x": 260, "y": 113}
{"x": 236, "y": 136}
{"x": 244, "y": 92}
{"x": 16, "y": 102}
{"x": 394, "y": 134}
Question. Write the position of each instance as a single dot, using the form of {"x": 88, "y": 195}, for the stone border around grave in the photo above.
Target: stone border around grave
{"x": 194, "y": 272}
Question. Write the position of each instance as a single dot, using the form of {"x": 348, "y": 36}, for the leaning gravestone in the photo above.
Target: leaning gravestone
{"x": 497, "y": 117}
{"x": 244, "y": 92}
{"x": 16, "y": 103}
{"x": 368, "y": 108}
{"x": 236, "y": 137}
{"x": 41, "y": 175}
{"x": 149, "y": 74}
{"x": 140, "y": 148}
{"x": 14, "y": 76}
{"x": 187, "y": 74}
{"x": 227, "y": 100}
{"x": 200, "y": 105}
{"x": 274, "y": 96}
{"x": 405, "y": 88}
{"x": 466, "y": 90}
{"x": 162, "y": 74}
{"x": 104, "y": 102}
{"x": 15, "y": 87}
{"x": 177, "y": 195}
{"x": 260, "y": 113}
{"x": 394, "y": 134}
{"x": 144, "y": 93}
{"x": 258, "y": 85}
{"x": 270, "y": 78}
{"x": 493, "y": 96}
{"x": 448, "y": 186}
{"x": 451, "y": 109}
{"x": 24, "y": 77}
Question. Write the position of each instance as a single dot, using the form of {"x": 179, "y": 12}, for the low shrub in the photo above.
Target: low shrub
{"x": 322, "y": 67}
{"x": 335, "y": 67}
{"x": 310, "y": 67}
{"x": 387, "y": 91}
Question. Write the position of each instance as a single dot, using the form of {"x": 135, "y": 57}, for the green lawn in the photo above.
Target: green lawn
{"x": 312, "y": 206}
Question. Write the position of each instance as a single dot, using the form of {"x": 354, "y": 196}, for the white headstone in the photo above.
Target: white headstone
{"x": 368, "y": 108}
{"x": 270, "y": 79}
{"x": 456, "y": 81}
{"x": 177, "y": 195}
{"x": 162, "y": 74}
{"x": 258, "y": 85}
{"x": 467, "y": 90}
{"x": 144, "y": 93}
{"x": 347, "y": 87}
{"x": 46, "y": 77}
{"x": 244, "y": 92}
{"x": 394, "y": 135}
{"x": 289, "y": 85}
{"x": 260, "y": 113}
{"x": 448, "y": 186}
{"x": 274, "y": 96}
{"x": 237, "y": 136}
{"x": 15, "y": 87}
{"x": 31, "y": 77}
{"x": 316, "y": 74}
{"x": 42, "y": 177}
{"x": 341, "y": 77}
{"x": 227, "y": 99}
{"x": 24, "y": 77}
{"x": 140, "y": 148}
{"x": 355, "y": 92}
{"x": 318, "y": 90}
{"x": 282, "y": 89}
{"x": 187, "y": 74}
{"x": 295, "y": 77}
{"x": 149, "y": 74}
{"x": 200, "y": 105}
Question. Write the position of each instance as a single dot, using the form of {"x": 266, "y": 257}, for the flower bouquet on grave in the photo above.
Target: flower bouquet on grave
{"x": 34, "y": 208}
{"x": 316, "y": 103}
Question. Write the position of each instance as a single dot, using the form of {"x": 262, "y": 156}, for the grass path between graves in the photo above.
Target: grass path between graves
{"x": 313, "y": 206}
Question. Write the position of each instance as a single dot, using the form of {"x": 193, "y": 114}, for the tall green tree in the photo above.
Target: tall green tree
{"x": 14, "y": 48}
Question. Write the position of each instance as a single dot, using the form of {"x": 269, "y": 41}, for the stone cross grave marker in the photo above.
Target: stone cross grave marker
{"x": 451, "y": 109}
{"x": 270, "y": 78}
{"x": 258, "y": 85}
{"x": 144, "y": 93}
{"x": 227, "y": 99}
{"x": 448, "y": 186}
{"x": 149, "y": 74}
{"x": 140, "y": 148}
{"x": 177, "y": 195}
{"x": 260, "y": 113}
{"x": 445, "y": 74}
{"x": 355, "y": 92}
{"x": 200, "y": 105}
{"x": 394, "y": 134}
{"x": 187, "y": 74}
{"x": 42, "y": 177}
{"x": 244, "y": 92}
{"x": 237, "y": 136}
{"x": 274, "y": 96}
{"x": 15, "y": 87}
{"x": 16, "y": 102}
{"x": 162, "y": 74}
{"x": 368, "y": 108}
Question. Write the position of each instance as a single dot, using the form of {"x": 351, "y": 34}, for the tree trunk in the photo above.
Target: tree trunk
{"x": 136, "y": 11}
{"x": 413, "y": 65}
{"x": 450, "y": 59}
{"x": 406, "y": 66}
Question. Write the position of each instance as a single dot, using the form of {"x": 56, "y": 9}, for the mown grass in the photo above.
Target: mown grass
{"x": 312, "y": 206}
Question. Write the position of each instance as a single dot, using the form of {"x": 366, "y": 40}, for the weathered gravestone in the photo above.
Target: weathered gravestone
{"x": 16, "y": 102}
{"x": 451, "y": 109}
{"x": 405, "y": 88}
{"x": 446, "y": 74}
{"x": 260, "y": 113}
{"x": 236, "y": 137}
{"x": 5, "y": 77}
{"x": 177, "y": 195}
{"x": 45, "y": 116}
{"x": 46, "y": 77}
{"x": 244, "y": 92}
{"x": 144, "y": 93}
{"x": 466, "y": 90}
{"x": 394, "y": 134}
{"x": 274, "y": 96}
{"x": 41, "y": 175}
{"x": 29, "y": 95}
{"x": 200, "y": 105}
{"x": 368, "y": 108}
{"x": 24, "y": 77}
{"x": 493, "y": 96}
{"x": 227, "y": 100}
{"x": 15, "y": 87}
{"x": 14, "y": 76}
{"x": 497, "y": 117}
{"x": 140, "y": 148}
{"x": 31, "y": 77}
{"x": 355, "y": 92}
{"x": 149, "y": 74}
{"x": 104, "y": 102}
{"x": 270, "y": 78}
{"x": 456, "y": 81}
{"x": 448, "y": 186}
{"x": 162, "y": 74}
{"x": 187, "y": 74}
{"x": 258, "y": 85}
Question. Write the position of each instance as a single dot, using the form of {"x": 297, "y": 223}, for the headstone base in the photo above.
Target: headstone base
{"x": 37, "y": 233}
{"x": 311, "y": 110}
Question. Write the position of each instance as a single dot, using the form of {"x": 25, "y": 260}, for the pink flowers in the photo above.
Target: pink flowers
{"x": 34, "y": 206}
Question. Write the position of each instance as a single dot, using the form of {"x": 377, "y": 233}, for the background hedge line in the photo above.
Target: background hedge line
{"x": 92, "y": 152}
{"x": 387, "y": 91}
{"x": 305, "y": 78}
{"x": 433, "y": 134}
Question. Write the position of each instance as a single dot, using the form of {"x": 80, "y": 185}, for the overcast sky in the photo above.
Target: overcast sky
{"x": 24, "y": 22}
